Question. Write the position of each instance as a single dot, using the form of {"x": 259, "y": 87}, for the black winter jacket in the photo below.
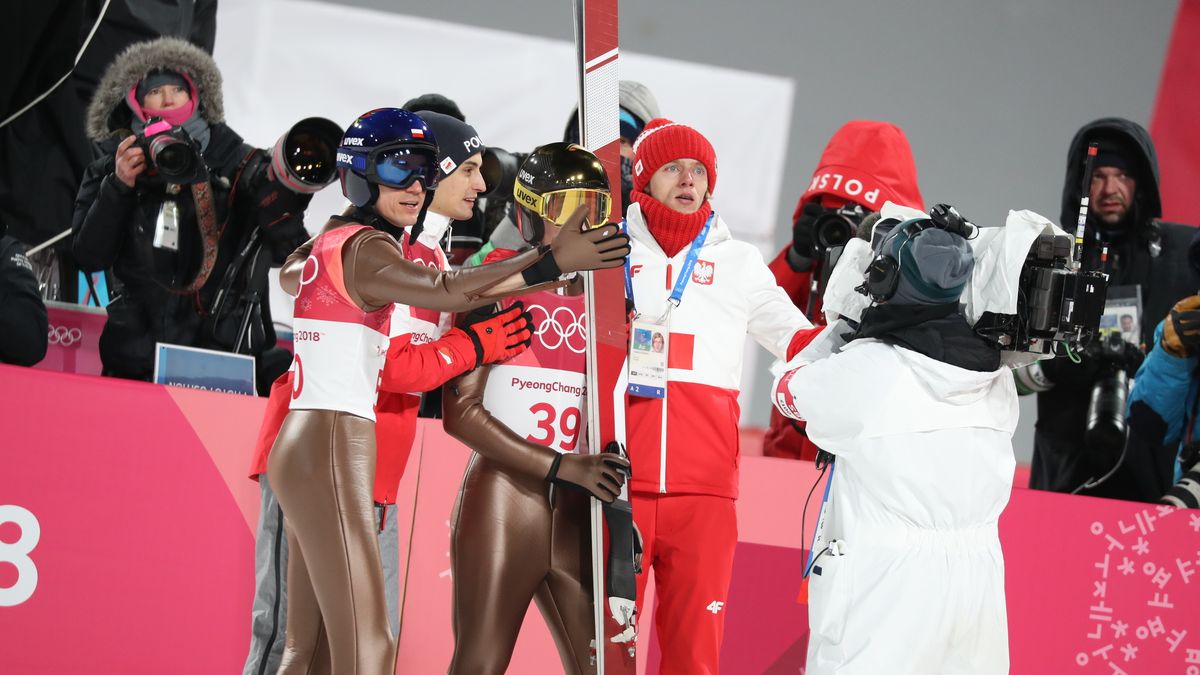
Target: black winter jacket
{"x": 23, "y": 320}
{"x": 1061, "y": 462}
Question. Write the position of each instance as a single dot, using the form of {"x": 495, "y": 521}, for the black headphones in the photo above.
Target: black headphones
{"x": 883, "y": 274}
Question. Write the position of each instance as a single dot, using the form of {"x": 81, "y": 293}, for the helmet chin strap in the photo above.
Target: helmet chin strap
{"x": 536, "y": 225}
{"x": 420, "y": 224}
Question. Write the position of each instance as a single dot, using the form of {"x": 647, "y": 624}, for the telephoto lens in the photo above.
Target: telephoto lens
{"x": 1186, "y": 493}
{"x": 1106, "y": 413}
{"x": 304, "y": 158}
{"x": 499, "y": 170}
{"x": 1106, "y": 428}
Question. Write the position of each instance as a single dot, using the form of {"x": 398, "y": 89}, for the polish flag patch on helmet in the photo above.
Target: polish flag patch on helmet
{"x": 418, "y": 133}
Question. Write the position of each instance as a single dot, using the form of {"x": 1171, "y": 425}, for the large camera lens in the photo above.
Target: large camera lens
{"x": 175, "y": 158}
{"x": 1106, "y": 414}
{"x": 1106, "y": 410}
{"x": 499, "y": 171}
{"x": 832, "y": 230}
{"x": 306, "y": 154}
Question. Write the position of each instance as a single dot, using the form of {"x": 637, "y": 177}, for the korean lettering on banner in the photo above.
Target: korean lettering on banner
{"x": 1132, "y": 613}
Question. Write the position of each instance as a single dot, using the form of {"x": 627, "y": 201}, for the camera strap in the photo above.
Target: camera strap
{"x": 210, "y": 234}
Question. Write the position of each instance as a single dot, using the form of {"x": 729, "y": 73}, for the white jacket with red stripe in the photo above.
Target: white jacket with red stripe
{"x": 732, "y": 295}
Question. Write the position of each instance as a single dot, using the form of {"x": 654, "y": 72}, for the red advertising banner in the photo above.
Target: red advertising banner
{"x": 126, "y": 528}
{"x": 1173, "y": 123}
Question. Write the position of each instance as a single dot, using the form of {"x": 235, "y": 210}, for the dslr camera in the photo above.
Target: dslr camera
{"x": 171, "y": 154}
{"x": 835, "y": 227}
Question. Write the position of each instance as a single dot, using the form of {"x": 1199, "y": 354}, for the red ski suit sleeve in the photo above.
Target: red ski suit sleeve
{"x": 412, "y": 369}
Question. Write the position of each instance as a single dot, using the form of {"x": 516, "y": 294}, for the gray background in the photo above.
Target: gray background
{"x": 989, "y": 93}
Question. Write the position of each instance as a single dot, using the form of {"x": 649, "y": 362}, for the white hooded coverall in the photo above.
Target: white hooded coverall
{"x": 924, "y": 468}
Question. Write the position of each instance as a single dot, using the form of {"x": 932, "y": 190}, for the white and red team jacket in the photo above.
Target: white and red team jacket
{"x": 422, "y": 354}
{"x": 339, "y": 347}
{"x": 732, "y": 294}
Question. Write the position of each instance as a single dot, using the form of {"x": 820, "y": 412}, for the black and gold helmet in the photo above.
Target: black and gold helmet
{"x": 553, "y": 181}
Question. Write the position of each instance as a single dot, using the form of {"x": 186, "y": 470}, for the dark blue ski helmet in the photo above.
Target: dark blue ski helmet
{"x": 386, "y": 146}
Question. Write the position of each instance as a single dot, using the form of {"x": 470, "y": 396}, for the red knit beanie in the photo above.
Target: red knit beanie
{"x": 664, "y": 141}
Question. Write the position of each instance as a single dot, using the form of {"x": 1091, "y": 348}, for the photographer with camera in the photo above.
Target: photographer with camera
{"x": 865, "y": 164}
{"x": 1165, "y": 400}
{"x": 907, "y": 574}
{"x": 1081, "y": 429}
{"x": 188, "y": 216}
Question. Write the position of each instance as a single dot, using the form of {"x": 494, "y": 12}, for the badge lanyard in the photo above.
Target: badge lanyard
{"x": 651, "y": 339}
{"x": 685, "y": 274}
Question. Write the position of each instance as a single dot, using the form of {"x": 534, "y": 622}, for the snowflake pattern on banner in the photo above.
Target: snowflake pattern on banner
{"x": 1144, "y": 603}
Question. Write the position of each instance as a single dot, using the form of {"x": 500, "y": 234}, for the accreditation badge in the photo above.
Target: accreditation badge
{"x": 648, "y": 357}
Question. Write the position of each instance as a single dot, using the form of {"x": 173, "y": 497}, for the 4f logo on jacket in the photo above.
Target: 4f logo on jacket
{"x": 715, "y": 606}
{"x": 704, "y": 272}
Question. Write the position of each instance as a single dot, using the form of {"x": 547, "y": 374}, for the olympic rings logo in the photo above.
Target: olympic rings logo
{"x": 61, "y": 335}
{"x": 308, "y": 273}
{"x": 559, "y": 328}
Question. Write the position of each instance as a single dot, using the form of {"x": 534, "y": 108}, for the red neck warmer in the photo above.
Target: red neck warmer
{"x": 671, "y": 229}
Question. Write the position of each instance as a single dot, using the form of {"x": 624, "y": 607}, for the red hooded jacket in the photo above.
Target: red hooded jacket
{"x": 867, "y": 163}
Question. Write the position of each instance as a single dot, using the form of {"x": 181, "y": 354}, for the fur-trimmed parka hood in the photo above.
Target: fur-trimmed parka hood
{"x": 108, "y": 111}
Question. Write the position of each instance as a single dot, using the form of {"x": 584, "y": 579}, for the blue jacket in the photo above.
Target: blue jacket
{"x": 1163, "y": 401}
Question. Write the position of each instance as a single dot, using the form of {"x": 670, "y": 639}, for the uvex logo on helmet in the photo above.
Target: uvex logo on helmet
{"x": 529, "y": 199}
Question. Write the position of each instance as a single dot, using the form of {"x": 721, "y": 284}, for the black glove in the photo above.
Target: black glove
{"x": 803, "y": 242}
{"x": 602, "y": 475}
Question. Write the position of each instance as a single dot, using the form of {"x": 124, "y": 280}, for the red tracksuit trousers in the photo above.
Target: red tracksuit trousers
{"x": 688, "y": 540}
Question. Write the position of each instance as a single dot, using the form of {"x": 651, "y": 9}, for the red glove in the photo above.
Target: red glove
{"x": 499, "y": 336}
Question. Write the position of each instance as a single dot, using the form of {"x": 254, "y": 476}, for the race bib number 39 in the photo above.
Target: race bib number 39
{"x": 541, "y": 405}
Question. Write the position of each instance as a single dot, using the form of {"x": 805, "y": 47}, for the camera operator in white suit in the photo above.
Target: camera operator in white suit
{"x": 908, "y": 574}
